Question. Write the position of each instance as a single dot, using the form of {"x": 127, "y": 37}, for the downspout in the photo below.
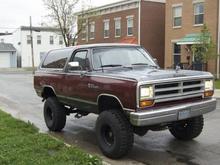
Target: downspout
{"x": 139, "y": 22}
{"x": 218, "y": 67}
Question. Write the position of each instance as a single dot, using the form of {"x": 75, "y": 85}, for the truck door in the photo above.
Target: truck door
{"x": 77, "y": 81}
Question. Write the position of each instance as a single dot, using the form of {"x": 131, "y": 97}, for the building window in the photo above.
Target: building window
{"x": 51, "y": 40}
{"x": 130, "y": 25}
{"x": 61, "y": 40}
{"x": 92, "y": 30}
{"x": 28, "y": 39}
{"x": 106, "y": 28}
{"x": 177, "y": 16}
{"x": 117, "y": 27}
{"x": 38, "y": 39}
{"x": 176, "y": 54}
{"x": 83, "y": 35}
{"x": 199, "y": 13}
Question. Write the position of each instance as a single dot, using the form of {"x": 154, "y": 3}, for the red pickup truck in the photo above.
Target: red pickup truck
{"x": 128, "y": 91}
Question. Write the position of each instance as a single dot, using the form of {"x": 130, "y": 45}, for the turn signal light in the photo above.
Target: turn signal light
{"x": 209, "y": 93}
{"x": 146, "y": 103}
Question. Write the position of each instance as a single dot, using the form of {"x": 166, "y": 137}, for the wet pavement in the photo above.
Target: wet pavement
{"x": 18, "y": 97}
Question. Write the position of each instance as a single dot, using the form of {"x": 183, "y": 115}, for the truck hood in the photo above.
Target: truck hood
{"x": 147, "y": 74}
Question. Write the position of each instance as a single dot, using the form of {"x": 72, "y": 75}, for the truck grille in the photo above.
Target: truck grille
{"x": 178, "y": 90}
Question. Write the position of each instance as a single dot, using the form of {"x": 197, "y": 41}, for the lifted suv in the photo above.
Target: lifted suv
{"x": 127, "y": 89}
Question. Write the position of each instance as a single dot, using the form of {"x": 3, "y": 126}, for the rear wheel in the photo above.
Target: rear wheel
{"x": 187, "y": 129}
{"x": 114, "y": 133}
{"x": 54, "y": 114}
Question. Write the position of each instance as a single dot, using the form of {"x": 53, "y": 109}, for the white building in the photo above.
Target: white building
{"x": 44, "y": 39}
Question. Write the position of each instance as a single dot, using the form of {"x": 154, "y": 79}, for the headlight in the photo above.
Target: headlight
{"x": 146, "y": 96}
{"x": 146, "y": 92}
{"x": 209, "y": 86}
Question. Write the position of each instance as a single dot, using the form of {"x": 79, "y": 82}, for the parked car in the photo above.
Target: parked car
{"x": 128, "y": 91}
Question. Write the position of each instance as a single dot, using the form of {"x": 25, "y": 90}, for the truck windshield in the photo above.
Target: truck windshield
{"x": 121, "y": 56}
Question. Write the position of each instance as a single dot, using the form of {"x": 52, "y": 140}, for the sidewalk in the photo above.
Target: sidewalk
{"x": 217, "y": 93}
{"x": 16, "y": 70}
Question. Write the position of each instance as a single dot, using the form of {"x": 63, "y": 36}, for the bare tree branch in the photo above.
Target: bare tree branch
{"x": 61, "y": 12}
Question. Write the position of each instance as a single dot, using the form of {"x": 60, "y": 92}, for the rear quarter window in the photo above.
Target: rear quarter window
{"x": 56, "y": 59}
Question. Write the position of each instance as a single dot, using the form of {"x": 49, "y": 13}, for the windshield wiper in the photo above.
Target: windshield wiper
{"x": 111, "y": 65}
{"x": 140, "y": 64}
{"x": 153, "y": 66}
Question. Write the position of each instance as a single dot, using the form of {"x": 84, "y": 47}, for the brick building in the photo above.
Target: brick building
{"x": 184, "y": 21}
{"x": 130, "y": 21}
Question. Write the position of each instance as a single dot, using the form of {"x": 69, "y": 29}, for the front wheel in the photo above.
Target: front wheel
{"x": 114, "y": 133}
{"x": 54, "y": 114}
{"x": 187, "y": 129}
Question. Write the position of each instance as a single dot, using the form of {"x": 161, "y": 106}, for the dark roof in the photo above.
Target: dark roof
{"x": 4, "y": 34}
{"x": 40, "y": 28}
{"x": 5, "y": 47}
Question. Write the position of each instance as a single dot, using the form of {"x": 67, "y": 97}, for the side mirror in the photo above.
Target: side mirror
{"x": 74, "y": 64}
{"x": 155, "y": 60}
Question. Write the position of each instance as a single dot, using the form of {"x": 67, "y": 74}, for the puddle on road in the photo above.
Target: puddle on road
{"x": 182, "y": 158}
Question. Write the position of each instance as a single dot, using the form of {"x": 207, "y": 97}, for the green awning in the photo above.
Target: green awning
{"x": 194, "y": 38}
{"x": 190, "y": 39}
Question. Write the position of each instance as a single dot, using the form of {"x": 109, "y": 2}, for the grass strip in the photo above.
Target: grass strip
{"x": 22, "y": 144}
{"x": 217, "y": 84}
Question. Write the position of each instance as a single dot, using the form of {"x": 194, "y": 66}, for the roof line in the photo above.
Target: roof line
{"x": 111, "y": 5}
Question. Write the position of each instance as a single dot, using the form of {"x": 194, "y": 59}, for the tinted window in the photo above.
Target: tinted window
{"x": 81, "y": 57}
{"x": 56, "y": 59}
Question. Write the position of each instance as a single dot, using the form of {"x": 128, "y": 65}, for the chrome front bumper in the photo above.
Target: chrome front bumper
{"x": 169, "y": 114}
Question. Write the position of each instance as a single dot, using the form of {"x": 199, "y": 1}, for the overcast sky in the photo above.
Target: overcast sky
{"x": 14, "y": 13}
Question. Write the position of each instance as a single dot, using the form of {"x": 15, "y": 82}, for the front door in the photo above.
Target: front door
{"x": 176, "y": 55}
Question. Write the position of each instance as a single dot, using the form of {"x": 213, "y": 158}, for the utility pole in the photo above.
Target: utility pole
{"x": 32, "y": 46}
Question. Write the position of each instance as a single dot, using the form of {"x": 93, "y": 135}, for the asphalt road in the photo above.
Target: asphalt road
{"x": 18, "y": 97}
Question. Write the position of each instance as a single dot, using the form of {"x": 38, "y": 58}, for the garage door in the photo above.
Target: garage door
{"x": 4, "y": 60}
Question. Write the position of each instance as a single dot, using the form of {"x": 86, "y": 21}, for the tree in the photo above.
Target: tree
{"x": 63, "y": 14}
{"x": 205, "y": 49}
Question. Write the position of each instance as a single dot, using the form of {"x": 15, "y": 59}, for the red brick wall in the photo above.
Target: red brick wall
{"x": 99, "y": 27}
{"x": 153, "y": 29}
{"x": 210, "y": 19}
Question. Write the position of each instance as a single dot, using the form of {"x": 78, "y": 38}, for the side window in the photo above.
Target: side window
{"x": 56, "y": 59}
{"x": 130, "y": 25}
{"x": 28, "y": 39}
{"x": 199, "y": 13}
{"x": 81, "y": 57}
{"x": 177, "y": 16}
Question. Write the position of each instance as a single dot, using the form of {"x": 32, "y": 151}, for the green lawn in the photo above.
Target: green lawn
{"x": 21, "y": 144}
{"x": 217, "y": 84}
